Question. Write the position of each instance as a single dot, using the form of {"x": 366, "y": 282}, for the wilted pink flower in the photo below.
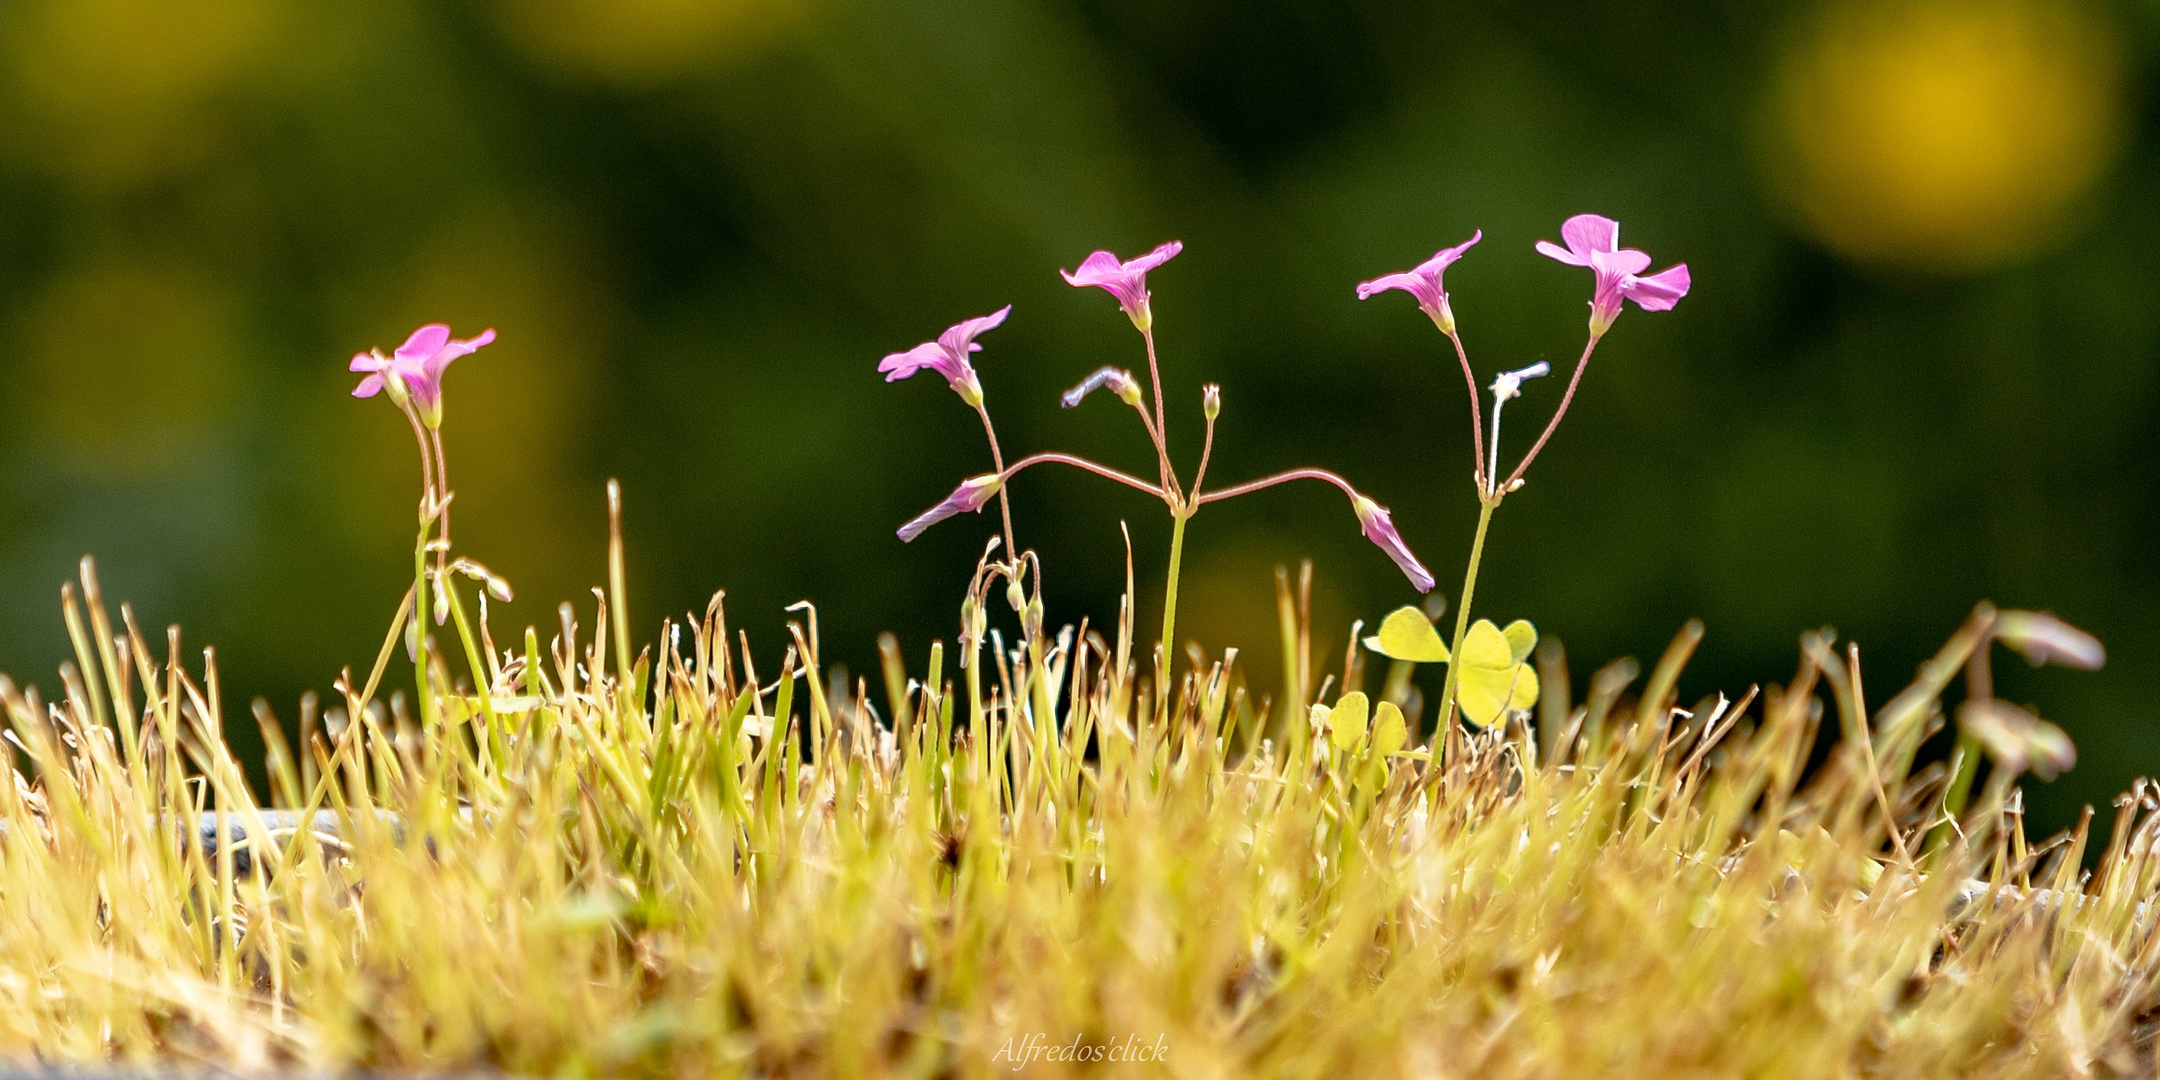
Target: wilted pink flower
{"x": 972, "y": 494}
{"x": 1380, "y": 529}
{"x": 416, "y": 368}
{"x": 1117, "y": 380}
{"x": 948, "y": 356}
{"x": 1594, "y": 242}
{"x": 1424, "y": 283}
{"x": 1127, "y": 280}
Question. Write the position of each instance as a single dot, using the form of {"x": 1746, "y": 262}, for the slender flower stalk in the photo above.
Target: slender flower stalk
{"x": 411, "y": 376}
{"x": 1592, "y": 242}
{"x": 1126, "y": 280}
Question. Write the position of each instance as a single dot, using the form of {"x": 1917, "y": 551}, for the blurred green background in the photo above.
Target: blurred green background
{"x": 1918, "y": 367}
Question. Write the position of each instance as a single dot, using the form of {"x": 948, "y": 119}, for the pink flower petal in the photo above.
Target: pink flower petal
{"x": 1559, "y": 254}
{"x": 1425, "y": 281}
{"x": 1659, "y": 291}
{"x": 1587, "y": 233}
{"x": 1125, "y": 280}
{"x": 424, "y": 342}
{"x": 960, "y": 338}
{"x": 1425, "y": 289}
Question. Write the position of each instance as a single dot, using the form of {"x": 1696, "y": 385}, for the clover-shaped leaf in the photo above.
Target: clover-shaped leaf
{"x": 1407, "y": 634}
{"x": 1493, "y": 676}
{"x": 1346, "y": 722}
{"x": 1389, "y": 731}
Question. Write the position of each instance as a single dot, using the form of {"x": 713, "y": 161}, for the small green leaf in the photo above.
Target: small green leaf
{"x": 1494, "y": 678}
{"x": 1521, "y": 638}
{"x": 1485, "y": 647}
{"x": 1347, "y": 722}
{"x": 1389, "y": 732}
{"x": 1406, "y": 634}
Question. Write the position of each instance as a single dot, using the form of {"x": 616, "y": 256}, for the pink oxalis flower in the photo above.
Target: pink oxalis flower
{"x": 1380, "y": 529}
{"x": 1125, "y": 280}
{"x": 948, "y": 356}
{"x": 416, "y": 369}
{"x": 973, "y": 493}
{"x": 1594, "y": 242}
{"x": 1424, "y": 283}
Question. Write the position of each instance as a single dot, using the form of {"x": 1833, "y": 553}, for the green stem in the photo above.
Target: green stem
{"x": 1169, "y": 611}
{"x": 1462, "y": 620}
{"x": 420, "y": 611}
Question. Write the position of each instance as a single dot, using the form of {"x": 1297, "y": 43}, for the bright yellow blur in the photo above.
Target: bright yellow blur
{"x": 638, "y": 40}
{"x": 1946, "y": 134}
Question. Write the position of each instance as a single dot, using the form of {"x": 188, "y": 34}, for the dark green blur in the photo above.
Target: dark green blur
{"x": 696, "y": 235}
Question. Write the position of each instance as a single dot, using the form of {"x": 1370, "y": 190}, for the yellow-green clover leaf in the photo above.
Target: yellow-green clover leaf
{"x": 1346, "y": 723}
{"x": 1389, "y": 732}
{"x": 1408, "y": 635}
{"x": 1494, "y": 676}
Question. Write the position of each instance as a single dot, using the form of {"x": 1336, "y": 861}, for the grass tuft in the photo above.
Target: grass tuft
{"x": 682, "y": 859}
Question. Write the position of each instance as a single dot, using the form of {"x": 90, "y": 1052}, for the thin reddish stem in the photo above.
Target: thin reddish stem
{"x": 1162, "y": 429}
{"x": 1162, "y": 456}
{"x": 997, "y": 458}
{"x": 1554, "y": 422}
{"x": 1104, "y": 471}
{"x": 1477, "y": 418}
{"x": 1207, "y": 450}
{"x": 427, "y": 457}
{"x": 1279, "y": 478}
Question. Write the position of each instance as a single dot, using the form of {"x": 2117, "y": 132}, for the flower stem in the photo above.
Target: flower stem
{"x": 1103, "y": 471}
{"x": 1169, "y": 614}
{"x": 420, "y": 624}
{"x": 997, "y": 458}
{"x": 1477, "y": 421}
{"x": 1162, "y": 430}
{"x": 1462, "y": 621}
{"x": 1503, "y": 486}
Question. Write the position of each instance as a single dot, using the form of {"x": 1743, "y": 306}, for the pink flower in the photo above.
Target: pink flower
{"x": 1127, "y": 281}
{"x": 973, "y": 494}
{"x": 1424, "y": 283}
{"x": 948, "y": 356}
{"x": 416, "y": 369}
{"x": 1380, "y": 529}
{"x": 1594, "y": 242}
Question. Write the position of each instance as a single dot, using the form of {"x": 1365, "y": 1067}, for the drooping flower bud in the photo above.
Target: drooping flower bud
{"x": 972, "y": 494}
{"x": 1380, "y": 529}
{"x": 2044, "y": 639}
{"x": 2017, "y": 739}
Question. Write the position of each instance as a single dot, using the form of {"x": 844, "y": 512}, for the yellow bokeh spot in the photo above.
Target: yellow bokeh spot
{"x": 130, "y": 364}
{"x": 118, "y": 89}
{"x": 1945, "y": 134}
{"x": 641, "y": 40}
